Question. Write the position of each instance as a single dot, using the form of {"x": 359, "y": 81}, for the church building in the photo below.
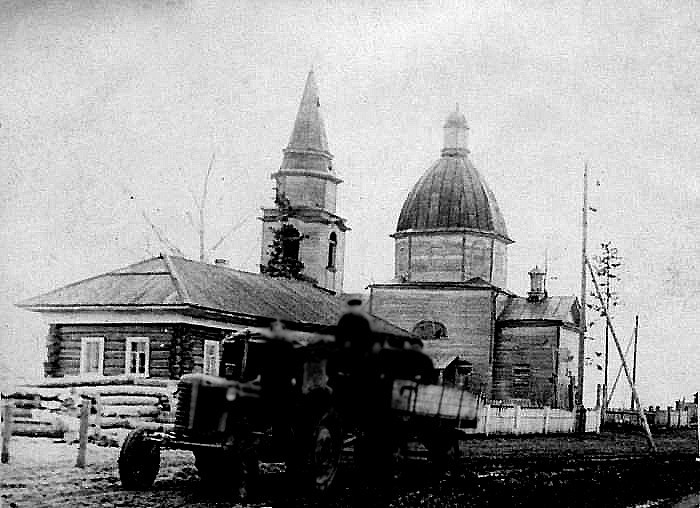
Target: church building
{"x": 450, "y": 262}
{"x": 166, "y": 316}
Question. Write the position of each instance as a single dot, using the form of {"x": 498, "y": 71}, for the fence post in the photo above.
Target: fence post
{"x": 6, "y": 430}
{"x": 516, "y": 419}
{"x": 98, "y": 416}
{"x": 669, "y": 424}
{"x": 546, "y": 420}
{"x": 487, "y": 412}
{"x": 83, "y": 435}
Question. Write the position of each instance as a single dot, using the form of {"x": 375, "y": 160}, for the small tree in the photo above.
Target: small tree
{"x": 283, "y": 252}
{"x": 283, "y": 255}
{"x": 606, "y": 266}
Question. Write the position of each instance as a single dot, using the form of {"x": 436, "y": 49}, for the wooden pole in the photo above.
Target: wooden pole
{"x": 635, "y": 395}
{"x": 84, "y": 426}
{"x": 634, "y": 362}
{"x": 582, "y": 324}
{"x": 98, "y": 416}
{"x": 6, "y": 431}
{"x": 697, "y": 397}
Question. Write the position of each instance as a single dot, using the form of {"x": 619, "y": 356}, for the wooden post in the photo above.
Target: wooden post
{"x": 582, "y": 320}
{"x": 634, "y": 361}
{"x": 669, "y": 415}
{"x": 98, "y": 416}
{"x": 6, "y": 431}
{"x": 516, "y": 419}
{"x": 487, "y": 412}
{"x": 84, "y": 426}
{"x": 546, "y": 420}
{"x": 697, "y": 396}
{"x": 642, "y": 416}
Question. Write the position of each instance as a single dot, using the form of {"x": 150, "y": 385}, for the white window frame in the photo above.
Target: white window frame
{"x": 127, "y": 358}
{"x": 84, "y": 341}
{"x": 217, "y": 345}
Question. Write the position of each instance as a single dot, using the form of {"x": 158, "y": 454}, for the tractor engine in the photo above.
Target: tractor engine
{"x": 204, "y": 406}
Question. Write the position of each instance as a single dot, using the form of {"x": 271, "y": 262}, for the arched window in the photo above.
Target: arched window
{"x": 430, "y": 330}
{"x": 332, "y": 248}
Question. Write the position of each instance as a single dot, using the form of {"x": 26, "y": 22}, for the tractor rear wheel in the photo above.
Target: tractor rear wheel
{"x": 224, "y": 470}
{"x": 316, "y": 450}
{"x": 443, "y": 450}
{"x": 139, "y": 461}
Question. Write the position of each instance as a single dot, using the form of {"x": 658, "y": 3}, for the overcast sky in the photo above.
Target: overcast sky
{"x": 110, "y": 108}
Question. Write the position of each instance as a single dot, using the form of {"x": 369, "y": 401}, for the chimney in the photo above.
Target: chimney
{"x": 220, "y": 262}
{"x": 537, "y": 292}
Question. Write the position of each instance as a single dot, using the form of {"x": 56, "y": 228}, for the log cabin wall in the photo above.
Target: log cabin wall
{"x": 65, "y": 347}
{"x": 174, "y": 350}
{"x": 525, "y": 363}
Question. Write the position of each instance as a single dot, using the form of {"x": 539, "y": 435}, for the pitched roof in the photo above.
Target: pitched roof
{"x": 563, "y": 309}
{"x": 179, "y": 283}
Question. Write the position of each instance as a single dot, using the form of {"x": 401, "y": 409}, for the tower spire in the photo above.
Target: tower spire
{"x": 309, "y": 133}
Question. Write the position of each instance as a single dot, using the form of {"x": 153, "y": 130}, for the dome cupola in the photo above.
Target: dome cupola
{"x": 450, "y": 227}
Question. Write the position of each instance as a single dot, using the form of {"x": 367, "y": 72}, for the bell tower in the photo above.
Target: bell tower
{"x": 306, "y": 189}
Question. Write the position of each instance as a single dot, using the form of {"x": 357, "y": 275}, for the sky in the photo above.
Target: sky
{"x": 113, "y": 109}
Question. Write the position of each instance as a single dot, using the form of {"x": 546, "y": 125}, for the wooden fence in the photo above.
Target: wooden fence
{"x": 474, "y": 415}
{"x": 668, "y": 417}
{"x": 497, "y": 419}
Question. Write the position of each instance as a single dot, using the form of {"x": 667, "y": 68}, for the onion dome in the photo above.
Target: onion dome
{"x": 452, "y": 195}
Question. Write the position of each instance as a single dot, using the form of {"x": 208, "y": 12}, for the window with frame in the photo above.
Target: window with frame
{"x": 463, "y": 372}
{"x": 92, "y": 355}
{"x": 211, "y": 357}
{"x": 137, "y": 355}
{"x": 521, "y": 380}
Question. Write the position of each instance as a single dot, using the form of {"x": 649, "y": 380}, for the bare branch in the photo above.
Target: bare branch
{"x": 160, "y": 234}
{"x": 190, "y": 219}
{"x": 228, "y": 233}
{"x": 203, "y": 202}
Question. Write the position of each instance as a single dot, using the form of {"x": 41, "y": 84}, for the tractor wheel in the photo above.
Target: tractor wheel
{"x": 221, "y": 471}
{"x": 139, "y": 461}
{"x": 316, "y": 450}
{"x": 443, "y": 451}
{"x": 377, "y": 456}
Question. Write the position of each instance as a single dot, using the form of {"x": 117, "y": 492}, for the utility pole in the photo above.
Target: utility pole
{"x": 583, "y": 323}
{"x": 634, "y": 362}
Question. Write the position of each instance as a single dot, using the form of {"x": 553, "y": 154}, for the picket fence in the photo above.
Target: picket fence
{"x": 498, "y": 419}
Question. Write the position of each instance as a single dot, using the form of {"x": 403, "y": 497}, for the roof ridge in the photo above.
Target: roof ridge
{"x": 177, "y": 282}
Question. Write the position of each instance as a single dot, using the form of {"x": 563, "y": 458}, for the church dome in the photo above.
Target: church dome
{"x": 452, "y": 195}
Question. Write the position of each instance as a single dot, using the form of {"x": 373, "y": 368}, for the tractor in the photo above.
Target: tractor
{"x": 278, "y": 400}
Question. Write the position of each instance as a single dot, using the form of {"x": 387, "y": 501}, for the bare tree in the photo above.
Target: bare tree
{"x": 196, "y": 220}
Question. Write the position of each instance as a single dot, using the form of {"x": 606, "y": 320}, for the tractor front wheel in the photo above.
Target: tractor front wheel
{"x": 139, "y": 461}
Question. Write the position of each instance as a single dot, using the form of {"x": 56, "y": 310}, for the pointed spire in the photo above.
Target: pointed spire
{"x": 309, "y": 134}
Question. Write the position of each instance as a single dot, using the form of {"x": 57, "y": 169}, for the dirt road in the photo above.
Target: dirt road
{"x": 496, "y": 472}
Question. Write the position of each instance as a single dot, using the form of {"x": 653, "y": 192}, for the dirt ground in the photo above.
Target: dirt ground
{"x": 605, "y": 470}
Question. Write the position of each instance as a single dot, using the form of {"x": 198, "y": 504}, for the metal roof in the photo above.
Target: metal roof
{"x": 174, "y": 282}
{"x": 452, "y": 195}
{"x": 563, "y": 309}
